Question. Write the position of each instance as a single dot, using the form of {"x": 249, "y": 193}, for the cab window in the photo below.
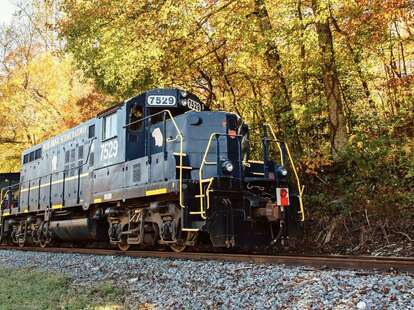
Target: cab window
{"x": 135, "y": 116}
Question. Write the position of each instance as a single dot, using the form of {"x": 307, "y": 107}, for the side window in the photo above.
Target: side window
{"x": 91, "y": 133}
{"x": 110, "y": 123}
{"x": 32, "y": 156}
{"x": 38, "y": 153}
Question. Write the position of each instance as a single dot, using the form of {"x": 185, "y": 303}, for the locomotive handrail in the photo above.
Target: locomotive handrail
{"x": 9, "y": 187}
{"x": 204, "y": 161}
{"x": 61, "y": 171}
{"x": 50, "y": 175}
{"x": 180, "y": 137}
{"x": 258, "y": 130}
{"x": 6, "y": 191}
{"x": 201, "y": 180}
{"x": 300, "y": 187}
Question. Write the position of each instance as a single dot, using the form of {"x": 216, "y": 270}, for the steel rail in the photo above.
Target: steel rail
{"x": 327, "y": 261}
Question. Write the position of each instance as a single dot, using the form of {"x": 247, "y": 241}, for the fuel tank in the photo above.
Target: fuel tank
{"x": 82, "y": 229}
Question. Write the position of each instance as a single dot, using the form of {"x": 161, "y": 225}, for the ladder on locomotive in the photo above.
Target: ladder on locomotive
{"x": 190, "y": 223}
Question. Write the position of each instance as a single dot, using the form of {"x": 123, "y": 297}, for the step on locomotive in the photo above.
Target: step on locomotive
{"x": 157, "y": 170}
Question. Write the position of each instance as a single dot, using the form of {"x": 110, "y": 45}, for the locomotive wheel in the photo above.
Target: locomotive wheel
{"x": 44, "y": 236}
{"x": 180, "y": 245}
{"x": 124, "y": 246}
{"x": 43, "y": 243}
{"x": 21, "y": 241}
{"x": 123, "y": 240}
{"x": 13, "y": 237}
{"x": 21, "y": 236}
{"x": 34, "y": 236}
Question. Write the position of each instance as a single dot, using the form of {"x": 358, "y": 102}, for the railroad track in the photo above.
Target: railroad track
{"x": 333, "y": 261}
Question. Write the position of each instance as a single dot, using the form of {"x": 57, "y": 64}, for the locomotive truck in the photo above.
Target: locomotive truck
{"x": 157, "y": 170}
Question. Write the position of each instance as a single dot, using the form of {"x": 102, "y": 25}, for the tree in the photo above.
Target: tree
{"x": 335, "y": 78}
{"x": 280, "y": 90}
{"x": 41, "y": 92}
{"x": 337, "y": 122}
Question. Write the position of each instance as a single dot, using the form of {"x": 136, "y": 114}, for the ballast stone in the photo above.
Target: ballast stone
{"x": 177, "y": 284}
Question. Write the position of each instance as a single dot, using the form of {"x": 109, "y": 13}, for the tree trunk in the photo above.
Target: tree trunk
{"x": 357, "y": 62}
{"x": 337, "y": 122}
{"x": 280, "y": 95}
{"x": 303, "y": 65}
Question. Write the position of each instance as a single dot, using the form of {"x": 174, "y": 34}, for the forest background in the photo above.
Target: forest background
{"x": 334, "y": 77}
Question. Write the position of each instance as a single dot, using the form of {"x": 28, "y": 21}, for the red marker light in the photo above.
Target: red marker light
{"x": 282, "y": 196}
{"x": 232, "y": 133}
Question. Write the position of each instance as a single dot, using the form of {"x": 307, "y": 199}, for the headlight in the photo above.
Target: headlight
{"x": 228, "y": 166}
{"x": 282, "y": 172}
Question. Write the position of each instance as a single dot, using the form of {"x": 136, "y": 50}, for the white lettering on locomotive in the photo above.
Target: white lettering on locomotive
{"x": 65, "y": 137}
{"x": 161, "y": 100}
{"x": 157, "y": 135}
{"x": 193, "y": 105}
{"x": 109, "y": 149}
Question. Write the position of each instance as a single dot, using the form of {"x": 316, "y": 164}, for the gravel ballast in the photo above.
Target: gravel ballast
{"x": 167, "y": 283}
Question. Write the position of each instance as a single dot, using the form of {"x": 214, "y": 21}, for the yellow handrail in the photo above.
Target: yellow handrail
{"x": 201, "y": 180}
{"x": 2, "y": 201}
{"x": 300, "y": 188}
{"x": 180, "y": 136}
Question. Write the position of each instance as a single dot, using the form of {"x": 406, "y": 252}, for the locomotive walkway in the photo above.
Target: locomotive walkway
{"x": 333, "y": 261}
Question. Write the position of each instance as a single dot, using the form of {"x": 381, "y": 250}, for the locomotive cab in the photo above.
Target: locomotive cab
{"x": 147, "y": 112}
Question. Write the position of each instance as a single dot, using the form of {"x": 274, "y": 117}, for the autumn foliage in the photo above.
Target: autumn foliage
{"x": 336, "y": 78}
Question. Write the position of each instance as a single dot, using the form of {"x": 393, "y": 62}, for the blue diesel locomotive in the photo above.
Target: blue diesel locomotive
{"x": 159, "y": 169}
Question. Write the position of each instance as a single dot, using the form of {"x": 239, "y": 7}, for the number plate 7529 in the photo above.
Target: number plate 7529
{"x": 161, "y": 100}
